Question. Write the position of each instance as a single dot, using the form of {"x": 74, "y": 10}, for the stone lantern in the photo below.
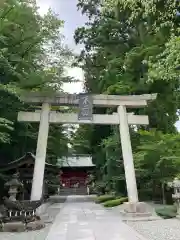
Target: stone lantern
{"x": 176, "y": 196}
{"x": 14, "y": 184}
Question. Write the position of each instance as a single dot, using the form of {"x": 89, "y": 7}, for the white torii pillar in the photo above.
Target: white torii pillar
{"x": 39, "y": 166}
{"x": 127, "y": 155}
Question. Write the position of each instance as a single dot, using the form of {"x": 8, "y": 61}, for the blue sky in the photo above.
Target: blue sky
{"x": 67, "y": 11}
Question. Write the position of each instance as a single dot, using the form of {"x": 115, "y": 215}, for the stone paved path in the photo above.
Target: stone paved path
{"x": 79, "y": 218}
{"x": 83, "y": 220}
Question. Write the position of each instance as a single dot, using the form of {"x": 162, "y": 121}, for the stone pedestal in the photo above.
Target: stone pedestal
{"x": 14, "y": 227}
{"x": 36, "y": 225}
{"x": 139, "y": 207}
{"x": 139, "y": 211}
{"x": 22, "y": 227}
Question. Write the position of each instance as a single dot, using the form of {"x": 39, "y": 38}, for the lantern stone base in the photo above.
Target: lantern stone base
{"x": 178, "y": 213}
{"x": 14, "y": 227}
{"x": 178, "y": 216}
{"x": 36, "y": 225}
{"x": 22, "y": 227}
{"x": 139, "y": 211}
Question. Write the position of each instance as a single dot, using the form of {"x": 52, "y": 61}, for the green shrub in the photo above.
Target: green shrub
{"x": 100, "y": 188}
{"x": 166, "y": 212}
{"x": 104, "y": 198}
{"x": 145, "y": 194}
{"x": 115, "y": 202}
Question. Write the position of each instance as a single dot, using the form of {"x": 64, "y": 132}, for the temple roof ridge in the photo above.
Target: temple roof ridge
{"x": 76, "y": 160}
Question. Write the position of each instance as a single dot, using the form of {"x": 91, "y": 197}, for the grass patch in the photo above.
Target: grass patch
{"x": 104, "y": 198}
{"x": 166, "y": 212}
{"x": 115, "y": 202}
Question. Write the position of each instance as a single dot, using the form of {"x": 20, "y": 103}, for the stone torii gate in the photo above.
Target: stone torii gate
{"x": 121, "y": 118}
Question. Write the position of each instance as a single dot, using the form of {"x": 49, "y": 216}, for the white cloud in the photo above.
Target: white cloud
{"x": 76, "y": 72}
{"x": 77, "y": 87}
{"x": 44, "y": 6}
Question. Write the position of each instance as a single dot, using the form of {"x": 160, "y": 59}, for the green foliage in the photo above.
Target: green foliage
{"x": 117, "y": 64}
{"x": 132, "y": 47}
{"x": 163, "y": 66}
{"x": 144, "y": 193}
{"x": 79, "y": 143}
{"x": 32, "y": 58}
{"x": 23, "y": 58}
{"x": 6, "y": 127}
{"x": 57, "y": 143}
{"x": 104, "y": 198}
{"x": 115, "y": 202}
{"x": 158, "y": 155}
{"x": 166, "y": 212}
{"x": 100, "y": 187}
{"x": 113, "y": 164}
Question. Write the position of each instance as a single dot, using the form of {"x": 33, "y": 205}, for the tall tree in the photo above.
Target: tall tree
{"x": 131, "y": 47}
{"x": 32, "y": 58}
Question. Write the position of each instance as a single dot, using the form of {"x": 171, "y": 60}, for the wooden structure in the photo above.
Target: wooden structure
{"x": 75, "y": 170}
{"x": 25, "y": 167}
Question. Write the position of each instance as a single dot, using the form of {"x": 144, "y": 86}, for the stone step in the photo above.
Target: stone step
{"x": 71, "y": 191}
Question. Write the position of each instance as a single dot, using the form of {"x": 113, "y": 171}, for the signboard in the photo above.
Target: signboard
{"x": 85, "y": 107}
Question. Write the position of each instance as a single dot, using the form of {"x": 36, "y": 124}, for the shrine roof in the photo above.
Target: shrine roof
{"x": 28, "y": 158}
{"x": 75, "y": 161}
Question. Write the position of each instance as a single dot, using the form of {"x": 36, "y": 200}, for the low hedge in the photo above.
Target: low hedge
{"x": 104, "y": 198}
{"x": 166, "y": 212}
{"x": 115, "y": 202}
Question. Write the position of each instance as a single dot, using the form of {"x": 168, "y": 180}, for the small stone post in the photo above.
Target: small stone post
{"x": 176, "y": 196}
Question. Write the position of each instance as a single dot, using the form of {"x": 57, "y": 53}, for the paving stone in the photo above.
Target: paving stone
{"x": 86, "y": 220}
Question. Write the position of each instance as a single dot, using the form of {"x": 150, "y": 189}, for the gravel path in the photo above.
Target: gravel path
{"x": 158, "y": 230}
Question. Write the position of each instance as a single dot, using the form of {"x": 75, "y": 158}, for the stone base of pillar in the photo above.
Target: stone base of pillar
{"x": 139, "y": 211}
